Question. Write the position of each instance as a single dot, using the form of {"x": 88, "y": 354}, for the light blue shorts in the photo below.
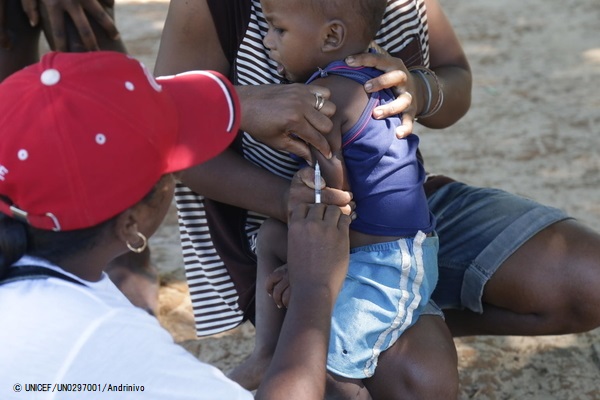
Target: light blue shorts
{"x": 387, "y": 287}
{"x": 478, "y": 229}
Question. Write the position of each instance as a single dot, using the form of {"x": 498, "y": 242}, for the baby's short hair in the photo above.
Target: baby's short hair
{"x": 365, "y": 13}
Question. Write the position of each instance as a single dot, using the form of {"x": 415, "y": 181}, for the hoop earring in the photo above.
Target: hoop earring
{"x": 142, "y": 247}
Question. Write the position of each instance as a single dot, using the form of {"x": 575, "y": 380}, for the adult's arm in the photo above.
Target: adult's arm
{"x": 233, "y": 180}
{"x": 447, "y": 60}
{"x": 317, "y": 263}
{"x": 282, "y": 116}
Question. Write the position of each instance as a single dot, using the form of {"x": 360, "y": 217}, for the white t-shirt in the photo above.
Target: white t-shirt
{"x": 90, "y": 342}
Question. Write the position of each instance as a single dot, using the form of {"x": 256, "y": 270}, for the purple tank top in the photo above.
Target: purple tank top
{"x": 384, "y": 172}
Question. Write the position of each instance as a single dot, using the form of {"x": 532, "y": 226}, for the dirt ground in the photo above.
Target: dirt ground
{"x": 533, "y": 129}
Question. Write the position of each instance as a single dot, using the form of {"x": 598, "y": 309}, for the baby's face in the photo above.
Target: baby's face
{"x": 294, "y": 38}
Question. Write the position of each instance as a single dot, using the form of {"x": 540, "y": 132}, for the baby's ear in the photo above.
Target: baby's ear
{"x": 335, "y": 35}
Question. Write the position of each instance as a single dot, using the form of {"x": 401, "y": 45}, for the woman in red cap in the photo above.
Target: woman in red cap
{"x": 91, "y": 178}
{"x": 66, "y": 27}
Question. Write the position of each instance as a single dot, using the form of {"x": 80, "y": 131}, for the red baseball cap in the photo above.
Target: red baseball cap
{"x": 84, "y": 136}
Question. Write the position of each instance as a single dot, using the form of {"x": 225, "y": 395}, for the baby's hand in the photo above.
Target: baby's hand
{"x": 278, "y": 286}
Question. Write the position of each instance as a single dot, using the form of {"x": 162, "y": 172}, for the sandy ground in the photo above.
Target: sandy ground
{"x": 534, "y": 129}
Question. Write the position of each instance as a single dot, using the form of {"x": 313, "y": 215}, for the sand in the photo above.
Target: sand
{"x": 533, "y": 129}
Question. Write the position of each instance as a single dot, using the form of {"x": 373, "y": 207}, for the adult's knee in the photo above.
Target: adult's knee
{"x": 583, "y": 276}
{"x": 572, "y": 278}
{"x": 428, "y": 379}
{"x": 422, "y": 364}
{"x": 548, "y": 286}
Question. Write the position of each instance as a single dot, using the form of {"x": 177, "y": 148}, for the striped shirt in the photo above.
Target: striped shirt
{"x": 215, "y": 297}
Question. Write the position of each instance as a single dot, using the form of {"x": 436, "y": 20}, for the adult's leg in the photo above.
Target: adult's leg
{"x": 548, "y": 286}
{"x": 422, "y": 364}
{"x": 271, "y": 253}
{"x": 509, "y": 265}
{"x": 340, "y": 388}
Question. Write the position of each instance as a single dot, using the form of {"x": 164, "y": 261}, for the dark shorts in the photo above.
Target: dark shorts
{"x": 479, "y": 228}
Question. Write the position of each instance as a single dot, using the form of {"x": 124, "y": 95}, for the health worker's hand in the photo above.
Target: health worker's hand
{"x": 318, "y": 251}
{"x": 302, "y": 191}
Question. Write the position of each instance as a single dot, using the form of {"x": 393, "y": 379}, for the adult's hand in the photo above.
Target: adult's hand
{"x": 318, "y": 253}
{"x": 397, "y": 78}
{"x": 78, "y": 10}
{"x": 447, "y": 60}
{"x": 278, "y": 282}
{"x": 318, "y": 247}
{"x": 302, "y": 190}
{"x": 285, "y": 117}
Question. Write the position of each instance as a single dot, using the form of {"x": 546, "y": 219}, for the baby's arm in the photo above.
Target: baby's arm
{"x": 350, "y": 100}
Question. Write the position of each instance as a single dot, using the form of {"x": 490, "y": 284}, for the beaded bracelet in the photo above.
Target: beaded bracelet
{"x": 422, "y": 72}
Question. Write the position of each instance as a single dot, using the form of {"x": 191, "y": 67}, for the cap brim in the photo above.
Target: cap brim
{"x": 209, "y": 116}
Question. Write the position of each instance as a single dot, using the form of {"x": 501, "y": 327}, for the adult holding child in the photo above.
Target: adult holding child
{"x": 503, "y": 259}
{"x": 393, "y": 261}
{"x": 67, "y": 208}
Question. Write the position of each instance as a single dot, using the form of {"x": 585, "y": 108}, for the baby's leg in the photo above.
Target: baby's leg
{"x": 271, "y": 254}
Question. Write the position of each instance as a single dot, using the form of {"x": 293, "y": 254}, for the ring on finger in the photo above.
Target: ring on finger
{"x": 319, "y": 101}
